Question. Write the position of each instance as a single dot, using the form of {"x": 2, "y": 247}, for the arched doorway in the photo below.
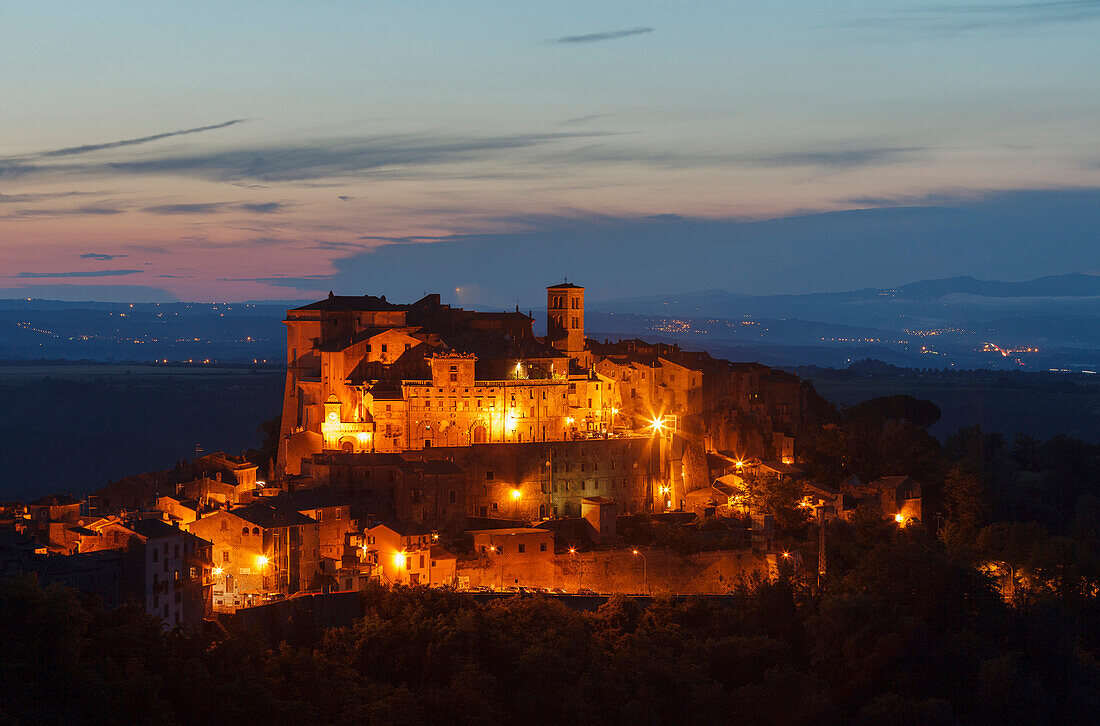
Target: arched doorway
{"x": 479, "y": 434}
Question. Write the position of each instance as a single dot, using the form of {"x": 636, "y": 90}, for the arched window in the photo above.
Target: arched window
{"x": 244, "y": 530}
{"x": 255, "y": 530}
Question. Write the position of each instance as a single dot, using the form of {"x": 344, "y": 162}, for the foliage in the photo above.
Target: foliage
{"x": 779, "y": 496}
{"x": 896, "y": 408}
{"x": 901, "y": 633}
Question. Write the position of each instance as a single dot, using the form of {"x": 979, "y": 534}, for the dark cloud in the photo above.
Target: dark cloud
{"x": 828, "y": 158}
{"x": 88, "y": 148}
{"x": 216, "y": 207}
{"x": 91, "y": 211}
{"x": 100, "y": 256}
{"x": 200, "y": 208}
{"x": 986, "y": 237}
{"x": 89, "y": 273}
{"x": 597, "y": 37}
{"x": 953, "y": 19}
{"x": 264, "y": 208}
{"x": 835, "y": 159}
{"x": 585, "y": 119}
{"x": 311, "y": 161}
{"x": 32, "y": 198}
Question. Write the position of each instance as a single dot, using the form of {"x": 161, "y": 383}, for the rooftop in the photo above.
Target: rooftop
{"x": 365, "y": 303}
{"x": 269, "y": 516}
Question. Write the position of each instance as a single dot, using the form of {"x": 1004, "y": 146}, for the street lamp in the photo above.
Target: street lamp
{"x": 580, "y": 569}
{"x": 645, "y": 569}
{"x": 494, "y": 550}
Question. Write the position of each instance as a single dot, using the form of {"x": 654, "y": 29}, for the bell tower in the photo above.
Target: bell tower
{"x": 565, "y": 319}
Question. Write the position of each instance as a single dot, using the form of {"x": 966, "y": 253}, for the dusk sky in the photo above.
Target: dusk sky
{"x": 276, "y": 150}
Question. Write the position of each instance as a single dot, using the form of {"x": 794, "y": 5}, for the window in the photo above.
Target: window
{"x": 244, "y": 531}
{"x": 225, "y": 555}
{"x": 453, "y": 496}
{"x": 175, "y": 552}
{"x": 494, "y": 507}
{"x": 383, "y": 346}
{"x": 255, "y": 530}
{"x": 454, "y": 378}
{"x": 542, "y": 546}
{"x": 522, "y": 549}
{"x": 454, "y": 368}
{"x": 489, "y": 475}
{"x": 155, "y": 555}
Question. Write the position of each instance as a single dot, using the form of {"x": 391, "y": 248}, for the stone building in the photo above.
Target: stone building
{"x": 165, "y": 568}
{"x": 258, "y": 549}
{"x": 522, "y": 417}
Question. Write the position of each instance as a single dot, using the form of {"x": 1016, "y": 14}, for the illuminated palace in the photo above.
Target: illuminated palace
{"x": 367, "y": 377}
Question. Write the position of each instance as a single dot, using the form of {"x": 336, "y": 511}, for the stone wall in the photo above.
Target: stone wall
{"x": 618, "y": 571}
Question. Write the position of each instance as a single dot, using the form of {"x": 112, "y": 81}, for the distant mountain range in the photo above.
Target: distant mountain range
{"x": 930, "y": 322}
{"x": 1049, "y": 322}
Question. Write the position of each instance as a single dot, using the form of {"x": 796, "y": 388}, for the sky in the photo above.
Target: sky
{"x": 236, "y": 150}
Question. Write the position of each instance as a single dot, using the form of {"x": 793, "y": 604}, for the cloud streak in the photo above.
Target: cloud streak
{"x": 89, "y": 148}
{"x": 91, "y": 211}
{"x": 598, "y": 37}
{"x": 954, "y": 19}
{"x": 321, "y": 159}
{"x": 99, "y": 256}
{"x": 826, "y": 158}
{"x": 89, "y": 273}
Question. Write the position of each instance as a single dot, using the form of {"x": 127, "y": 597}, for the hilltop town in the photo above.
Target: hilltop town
{"x": 426, "y": 445}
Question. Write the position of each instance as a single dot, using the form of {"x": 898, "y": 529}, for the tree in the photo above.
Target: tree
{"x": 965, "y": 504}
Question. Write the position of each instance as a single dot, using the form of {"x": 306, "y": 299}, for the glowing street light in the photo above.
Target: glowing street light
{"x": 516, "y": 494}
{"x": 645, "y": 568}
{"x": 218, "y": 571}
{"x": 900, "y": 519}
{"x": 262, "y": 561}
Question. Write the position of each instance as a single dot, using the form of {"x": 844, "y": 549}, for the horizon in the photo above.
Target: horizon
{"x": 596, "y": 301}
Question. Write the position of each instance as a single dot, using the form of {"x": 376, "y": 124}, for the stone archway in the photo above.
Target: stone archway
{"x": 480, "y": 434}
